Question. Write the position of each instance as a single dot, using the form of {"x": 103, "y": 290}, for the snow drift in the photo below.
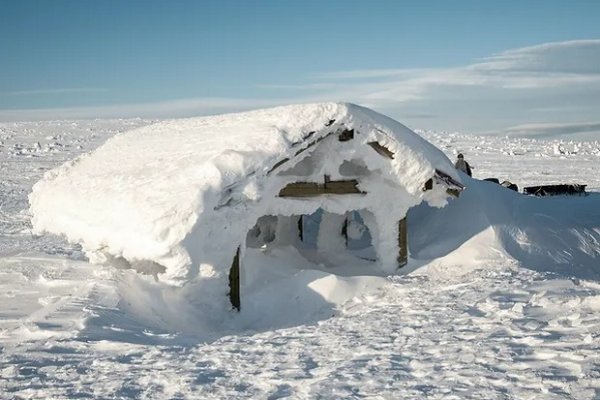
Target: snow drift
{"x": 474, "y": 321}
{"x": 178, "y": 197}
{"x": 558, "y": 234}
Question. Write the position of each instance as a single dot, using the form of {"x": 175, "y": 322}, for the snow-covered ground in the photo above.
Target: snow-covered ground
{"x": 503, "y": 301}
{"x": 525, "y": 161}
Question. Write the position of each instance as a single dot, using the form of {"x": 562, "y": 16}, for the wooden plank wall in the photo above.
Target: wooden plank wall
{"x": 313, "y": 189}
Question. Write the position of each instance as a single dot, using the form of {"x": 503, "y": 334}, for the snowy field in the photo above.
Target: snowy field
{"x": 503, "y": 301}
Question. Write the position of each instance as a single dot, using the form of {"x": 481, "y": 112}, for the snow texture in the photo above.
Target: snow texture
{"x": 181, "y": 195}
{"x": 502, "y": 302}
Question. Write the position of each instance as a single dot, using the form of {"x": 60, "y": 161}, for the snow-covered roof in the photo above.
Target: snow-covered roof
{"x": 169, "y": 194}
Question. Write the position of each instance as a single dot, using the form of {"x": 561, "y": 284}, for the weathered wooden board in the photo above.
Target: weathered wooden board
{"x": 278, "y": 164}
{"x": 312, "y": 189}
{"x": 342, "y": 187}
{"x": 453, "y": 192}
{"x": 234, "y": 281}
{"x": 384, "y": 151}
{"x": 402, "y": 243}
{"x": 301, "y": 189}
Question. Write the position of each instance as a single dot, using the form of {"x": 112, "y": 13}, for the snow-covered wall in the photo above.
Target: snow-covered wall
{"x": 178, "y": 197}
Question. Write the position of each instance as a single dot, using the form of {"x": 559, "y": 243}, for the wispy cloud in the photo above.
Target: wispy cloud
{"x": 575, "y": 56}
{"x": 580, "y": 57}
{"x": 551, "y": 129}
{"x": 163, "y": 109}
{"x": 303, "y": 87}
{"x": 54, "y": 91}
{"x": 557, "y": 83}
{"x": 536, "y": 67}
{"x": 374, "y": 73}
{"x": 490, "y": 94}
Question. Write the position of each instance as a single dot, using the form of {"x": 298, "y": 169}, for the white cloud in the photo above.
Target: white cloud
{"x": 490, "y": 94}
{"x": 54, "y": 91}
{"x": 374, "y": 73}
{"x": 576, "y": 56}
{"x": 536, "y": 67}
{"x": 552, "y": 82}
{"x": 303, "y": 87}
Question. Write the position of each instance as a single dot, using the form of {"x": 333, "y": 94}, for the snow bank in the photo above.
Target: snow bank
{"x": 558, "y": 234}
{"x": 177, "y": 198}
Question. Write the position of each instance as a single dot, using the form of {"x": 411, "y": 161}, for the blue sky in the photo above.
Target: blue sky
{"x": 456, "y": 65}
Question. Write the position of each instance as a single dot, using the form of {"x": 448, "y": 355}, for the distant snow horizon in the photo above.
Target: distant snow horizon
{"x": 584, "y": 131}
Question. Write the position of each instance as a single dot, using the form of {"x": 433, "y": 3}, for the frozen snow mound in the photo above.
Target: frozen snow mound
{"x": 177, "y": 198}
{"x": 559, "y": 234}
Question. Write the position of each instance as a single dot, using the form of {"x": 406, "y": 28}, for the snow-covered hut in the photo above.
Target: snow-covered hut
{"x": 180, "y": 196}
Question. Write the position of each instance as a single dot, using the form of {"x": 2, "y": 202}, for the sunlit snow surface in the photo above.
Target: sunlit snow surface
{"x": 480, "y": 317}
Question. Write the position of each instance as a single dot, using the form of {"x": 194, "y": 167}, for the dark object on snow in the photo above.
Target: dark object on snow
{"x": 556, "y": 190}
{"x": 462, "y": 165}
{"x": 506, "y": 184}
{"x": 402, "y": 243}
{"x": 510, "y": 185}
{"x": 346, "y": 135}
{"x": 234, "y": 281}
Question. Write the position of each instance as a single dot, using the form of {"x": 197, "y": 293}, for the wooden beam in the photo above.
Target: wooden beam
{"x": 453, "y": 187}
{"x": 342, "y": 187}
{"x": 278, "y": 164}
{"x": 382, "y": 150}
{"x": 402, "y": 243}
{"x": 453, "y": 192}
{"x": 308, "y": 146}
{"x": 313, "y": 189}
{"x": 442, "y": 177}
{"x": 301, "y": 189}
{"x": 301, "y": 228}
{"x": 234, "y": 281}
{"x": 304, "y": 138}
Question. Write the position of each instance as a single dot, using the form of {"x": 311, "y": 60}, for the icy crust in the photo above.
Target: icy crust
{"x": 178, "y": 197}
